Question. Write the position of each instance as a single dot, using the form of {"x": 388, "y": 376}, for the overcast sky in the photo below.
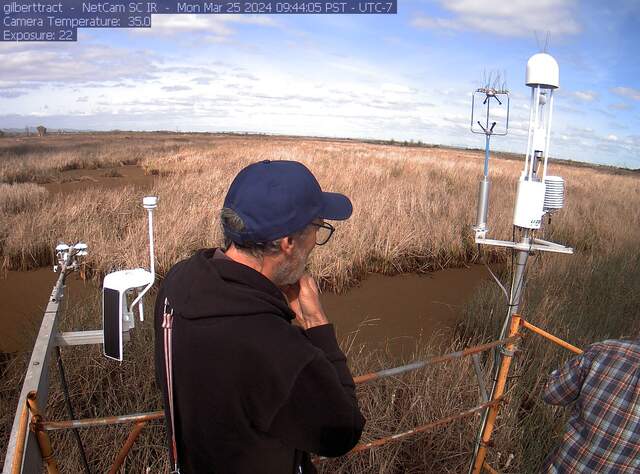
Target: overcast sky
{"x": 405, "y": 76}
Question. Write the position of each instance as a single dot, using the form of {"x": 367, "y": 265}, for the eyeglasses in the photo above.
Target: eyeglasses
{"x": 324, "y": 232}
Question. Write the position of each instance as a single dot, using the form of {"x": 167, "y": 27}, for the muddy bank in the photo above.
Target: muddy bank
{"x": 104, "y": 178}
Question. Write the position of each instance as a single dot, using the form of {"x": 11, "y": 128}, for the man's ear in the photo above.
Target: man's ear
{"x": 287, "y": 244}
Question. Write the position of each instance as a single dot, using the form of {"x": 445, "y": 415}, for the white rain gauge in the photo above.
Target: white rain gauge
{"x": 538, "y": 194}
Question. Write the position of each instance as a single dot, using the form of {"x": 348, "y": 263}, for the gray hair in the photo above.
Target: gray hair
{"x": 229, "y": 219}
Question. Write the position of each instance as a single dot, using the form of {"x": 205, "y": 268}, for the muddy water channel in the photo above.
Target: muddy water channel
{"x": 24, "y": 297}
{"x": 382, "y": 311}
{"x": 394, "y": 311}
{"x": 397, "y": 312}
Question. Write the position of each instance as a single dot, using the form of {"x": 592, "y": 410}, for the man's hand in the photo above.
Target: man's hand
{"x": 304, "y": 300}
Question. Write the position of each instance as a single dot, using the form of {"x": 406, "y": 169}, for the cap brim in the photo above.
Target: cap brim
{"x": 337, "y": 206}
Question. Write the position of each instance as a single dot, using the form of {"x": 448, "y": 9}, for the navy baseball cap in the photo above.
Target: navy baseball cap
{"x": 277, "y": 198}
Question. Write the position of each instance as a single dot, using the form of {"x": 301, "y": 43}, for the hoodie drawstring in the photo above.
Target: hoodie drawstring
{"x": 167, "y": 326}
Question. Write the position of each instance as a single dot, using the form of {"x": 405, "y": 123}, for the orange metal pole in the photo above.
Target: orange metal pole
{"x": 499, "y": 391}
{"x": 419, "y": 429}
{"x": 488, "y": 468}
{"x": 126, "y": 447}
{"x": 43, "y": 438}
{"x": 551, "y": 337}
{"x": 16, "y": 467}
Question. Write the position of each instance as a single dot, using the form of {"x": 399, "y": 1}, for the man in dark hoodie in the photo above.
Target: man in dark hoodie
{"x": 253, "y": 393}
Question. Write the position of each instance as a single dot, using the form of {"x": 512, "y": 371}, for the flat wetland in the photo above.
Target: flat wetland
{"x": 402, "y": 279}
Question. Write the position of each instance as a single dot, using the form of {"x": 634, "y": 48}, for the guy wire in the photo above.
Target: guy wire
{"x": 497, "y": 280}
{"x": 67, "y": 397}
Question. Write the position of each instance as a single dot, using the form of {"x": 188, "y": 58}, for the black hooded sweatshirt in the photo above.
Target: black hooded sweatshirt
{"x": 252, "y": 392}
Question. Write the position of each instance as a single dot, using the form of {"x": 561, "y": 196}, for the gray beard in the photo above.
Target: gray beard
{"x": 292, "y": 270}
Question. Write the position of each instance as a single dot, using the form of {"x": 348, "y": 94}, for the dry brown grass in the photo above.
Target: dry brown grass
{"x": 43, "y": 159}
{"x": 21, "y": 198}
{"x": 413, "y": 208}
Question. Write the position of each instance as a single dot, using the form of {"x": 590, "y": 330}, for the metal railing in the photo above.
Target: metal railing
{"x": 29, "y": 446}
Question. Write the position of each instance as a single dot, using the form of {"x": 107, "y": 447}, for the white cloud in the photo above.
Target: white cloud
{"x": 437, "y": 23}
{"x": 620, "y": 106}
{"x": 628, "y": 92}
{"x": 33, "y": 64}
{"x": 506, "y": 18}
{"x": 612, "y": 138}
{"x": 176, "y": 88}
{"x": 308, "y": 91}
{"x": 179, "y": 24}
{"x": 585, "y": 96}
{"x": 216, "y": 28}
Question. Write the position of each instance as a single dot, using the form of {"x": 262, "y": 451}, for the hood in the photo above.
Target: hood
{"x": 206, "y": 287}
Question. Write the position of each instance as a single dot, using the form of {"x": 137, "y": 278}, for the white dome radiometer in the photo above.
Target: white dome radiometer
{"x": 543, "y": 71}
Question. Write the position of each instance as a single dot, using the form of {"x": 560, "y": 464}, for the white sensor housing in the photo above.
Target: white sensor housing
{"x": 529, "y": 204}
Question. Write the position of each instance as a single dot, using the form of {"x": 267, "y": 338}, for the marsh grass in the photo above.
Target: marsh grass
{"x": 44, "y": 159}
{"x": 407, "y": 217}
{"x": 21, "y": 198}
{"x": 413, "y": 207}
{"x": 581, "y": 299}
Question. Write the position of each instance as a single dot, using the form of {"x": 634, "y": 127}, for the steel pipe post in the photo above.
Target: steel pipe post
{"x": 498, "y": 393}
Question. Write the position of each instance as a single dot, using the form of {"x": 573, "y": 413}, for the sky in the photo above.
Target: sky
{"x": 408, "y": 76}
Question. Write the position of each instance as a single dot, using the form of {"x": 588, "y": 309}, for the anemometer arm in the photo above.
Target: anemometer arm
{"x": 490, "y": 130}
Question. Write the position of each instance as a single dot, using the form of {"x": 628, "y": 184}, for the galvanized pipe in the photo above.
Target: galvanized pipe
{"x": 419, "y": 429}
{"x": 36, "y": 382}
{"x": 433, "y": 360}
{"x": 90, "y": 422}
{"x": 517, "y": 287}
